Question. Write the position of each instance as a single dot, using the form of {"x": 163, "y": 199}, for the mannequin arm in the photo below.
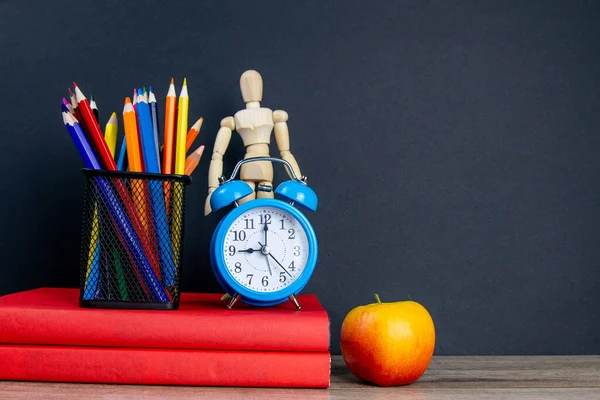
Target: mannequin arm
{"x": 282, "y": 137}
{"x": 216, "y": 163}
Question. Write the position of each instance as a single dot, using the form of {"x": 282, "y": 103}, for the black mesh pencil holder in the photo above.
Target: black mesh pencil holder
{"x": 132, "y": 240}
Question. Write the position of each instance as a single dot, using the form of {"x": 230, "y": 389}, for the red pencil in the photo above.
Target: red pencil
{"x": 77, "y": 113}
{"x": 97, "y": 137}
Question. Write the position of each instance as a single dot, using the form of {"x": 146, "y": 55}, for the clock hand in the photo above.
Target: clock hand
{"x": 248, "y": 251}
{"x": 282, "y": 267}
{"x": 266, "y": 228}
{"x": 269, "y": 265}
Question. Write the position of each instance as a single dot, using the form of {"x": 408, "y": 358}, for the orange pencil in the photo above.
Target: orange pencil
{"x": 169, "y": 130}
{"x": 193, "y": 133}
{"x": 134, "y": 154}
{"x": 192, "y": 161}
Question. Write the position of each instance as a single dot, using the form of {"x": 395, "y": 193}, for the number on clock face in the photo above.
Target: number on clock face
{"x": 266, "y": 260}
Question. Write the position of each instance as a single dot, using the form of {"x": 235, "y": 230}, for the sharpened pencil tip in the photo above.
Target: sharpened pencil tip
{"x": 74, "y": 85}
{"x": 150, "y": 89}
{"x": 65, "y": 102}
{"x": 172, "y": 81}
{"x": 197, "y": 124}
{"x": 140, "y": 92}
{"x": 127, "y": 100}
{"x": 184, "y": 81}
{"x": 70, "y": 92}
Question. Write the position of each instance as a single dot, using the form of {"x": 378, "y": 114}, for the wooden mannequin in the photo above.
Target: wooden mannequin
{"x": 254, "y": 124}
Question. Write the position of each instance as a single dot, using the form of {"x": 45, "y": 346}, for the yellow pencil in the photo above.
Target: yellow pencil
{"x": 182, "y": 128}
{"x": 93, "y": 259}
{"x": 110, "y": 133}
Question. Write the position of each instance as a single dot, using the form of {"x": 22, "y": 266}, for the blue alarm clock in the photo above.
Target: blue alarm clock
{"x": 264, "y": 251}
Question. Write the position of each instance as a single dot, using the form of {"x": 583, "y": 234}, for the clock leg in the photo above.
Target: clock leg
{"x": 234, "y": 299}
{"x": 294, "y": 300}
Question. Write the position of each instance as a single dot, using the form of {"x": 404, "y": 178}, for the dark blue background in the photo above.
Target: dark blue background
{"x": 455, "y": 147}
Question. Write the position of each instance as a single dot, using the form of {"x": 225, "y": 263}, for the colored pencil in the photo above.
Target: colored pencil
{"x": 67, "y": 105}
{"x": 154, "y": 115}
{"x": 144, "y": 120}
{"x": 192, "y": 161}
{"x": 134, "y": 99}
{"x": 193, "y": 133}
{"x": 156, "y": 190}
{"x": 182, "y": 127}
{"x": 118, "y": 216}
{"x": 86, "y": 152}
{"x": 136, "y": 164}
{"x": 120, "y": 276}
{"x": 134, "y": 131}
{"x": 90, "y": 289}
{"x": 134, "y": 152}
{"x": 77, "y": 113}
{"x": 94, "y": 108}
{"x": 122, "y": 154}
{"x": 74, "y": 110}
{"x": 110, "y": 134}
{"x": 73, "y": 99}
{"x": 97, "y": 137}
{"x": 169, "y": 130}
{"x": 89, "y": 159}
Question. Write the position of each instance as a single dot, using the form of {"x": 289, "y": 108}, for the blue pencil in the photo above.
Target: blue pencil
{"x": 90, "y": 161}
{"x": 83, "y": 146}
{"x": 156, "y": 188}
{"x": 149, "y": 148}
{"x": 122, "y": 155}
{"x": 118, "y": 215}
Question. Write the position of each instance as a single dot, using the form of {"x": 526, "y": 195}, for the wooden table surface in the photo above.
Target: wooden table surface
{"x": 507, "y": 377}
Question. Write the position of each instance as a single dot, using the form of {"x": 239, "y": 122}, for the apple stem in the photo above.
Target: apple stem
{"x": 377, "y": 298}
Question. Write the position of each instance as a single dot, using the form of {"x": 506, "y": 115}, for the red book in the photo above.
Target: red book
{"x": 164, "y": 367}
{"x": 52, "y": 316}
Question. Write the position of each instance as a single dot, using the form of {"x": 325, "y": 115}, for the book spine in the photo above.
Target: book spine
{"x": 165, "y": 367}
{"x": 109, "y": 328}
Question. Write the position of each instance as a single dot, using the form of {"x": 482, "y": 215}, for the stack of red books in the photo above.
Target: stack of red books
{"x": 46, "y": 336}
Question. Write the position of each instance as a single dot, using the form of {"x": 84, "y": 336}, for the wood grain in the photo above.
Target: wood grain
{"x": 514, "y": 377}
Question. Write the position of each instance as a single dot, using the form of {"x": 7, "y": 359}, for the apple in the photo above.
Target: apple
{"x": 388, "y": 344}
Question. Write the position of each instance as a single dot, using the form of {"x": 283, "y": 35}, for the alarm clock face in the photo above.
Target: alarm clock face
{"x": 266, "y": 249}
